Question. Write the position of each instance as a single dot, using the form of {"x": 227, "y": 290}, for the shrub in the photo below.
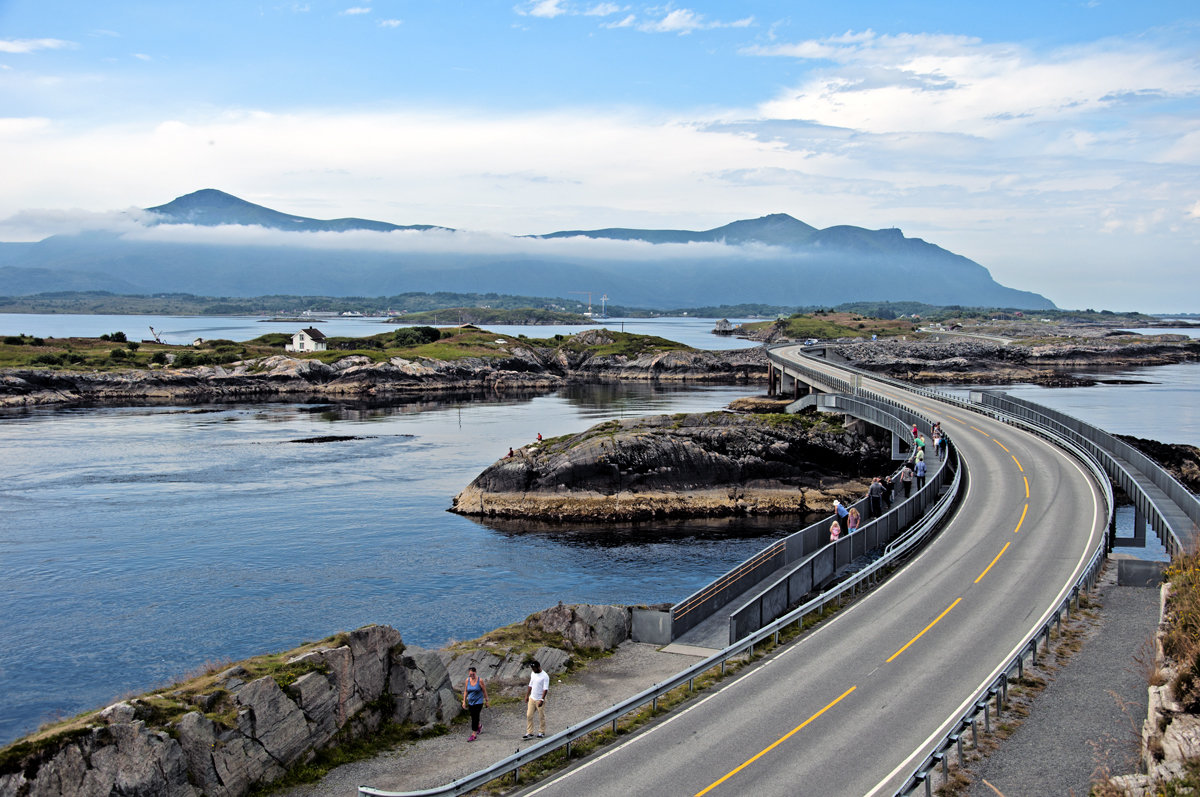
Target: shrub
{"x": 159, "y": 358}
{"x": 118, "y": 354}
{"x": 116, "y": 337}
{"x": 133, "y": 345}
{"x": 415, "y": 336}
{"x": 14, "y": 340}
{"x": 48, "y": 359}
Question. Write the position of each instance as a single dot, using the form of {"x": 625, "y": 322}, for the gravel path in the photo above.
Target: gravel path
{"x": 1089, "y": 718}
{"x": 439, "y": 760}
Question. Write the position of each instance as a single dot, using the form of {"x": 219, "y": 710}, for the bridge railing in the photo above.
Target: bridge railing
{"x": 1112, "y": 452}
{"x": 814, "y": 538}
{"x": 815, "y": 570}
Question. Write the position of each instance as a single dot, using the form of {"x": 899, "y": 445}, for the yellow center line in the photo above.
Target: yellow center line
{"x": 997, "y": 442}
{"x": 1026, "y": 487}
{"x": 951, "y": 417}
{"x": 985, "y": 434}
{"x": 1018, "y": 462}
{"x": 931, "y": 625}
{"x": 997, "y": 559}
{"x": 778, "y": 742}
{"x": 1018, "y": 528}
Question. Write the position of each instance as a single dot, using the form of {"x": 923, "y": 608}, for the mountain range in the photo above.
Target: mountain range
{"x": 212, "y": 243}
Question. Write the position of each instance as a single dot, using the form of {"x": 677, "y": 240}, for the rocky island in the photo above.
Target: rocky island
{"x": 711, "y": 464}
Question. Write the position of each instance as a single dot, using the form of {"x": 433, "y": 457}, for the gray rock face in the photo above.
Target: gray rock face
{"x": 586, "y": 626}
{"x": 274, "y": 727}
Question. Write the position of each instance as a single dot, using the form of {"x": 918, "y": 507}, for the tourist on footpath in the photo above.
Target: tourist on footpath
{"x": 920, "y": 473}
{"x": 937, "y": 443}
{"x": 475, "y": 699}
{"x": 835, "y": 531}
{"x": 906, "y": 477}
{"x": 535, "y": 700}
{"x": 921, "y": 445}
{"x": 875, "y": 497}
{"x": 852, "y": 520}
{"x": 840, "y": 509}
{"x": 889, "y": 492}
{"x": 920, "y": 456}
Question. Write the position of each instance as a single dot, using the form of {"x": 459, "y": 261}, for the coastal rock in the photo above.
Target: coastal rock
{"x": 706, "y": 464}
{"x": 585, "y": 626}
{"x": 259, "y": 730}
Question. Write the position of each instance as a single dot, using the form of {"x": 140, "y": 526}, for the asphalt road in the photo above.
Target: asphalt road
{"x": 854, "y": 706}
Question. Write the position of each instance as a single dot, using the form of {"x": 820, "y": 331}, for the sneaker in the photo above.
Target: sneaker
{"x": 471, "y": 738}
{"x": 527, "y": 736}
{"x": 541, "y": 736}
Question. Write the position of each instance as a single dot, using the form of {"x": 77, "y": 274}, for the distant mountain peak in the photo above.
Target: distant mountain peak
{"x": 210, "y": 207}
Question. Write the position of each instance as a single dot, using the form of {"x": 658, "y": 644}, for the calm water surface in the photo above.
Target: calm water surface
{"x": 140, "y": 543}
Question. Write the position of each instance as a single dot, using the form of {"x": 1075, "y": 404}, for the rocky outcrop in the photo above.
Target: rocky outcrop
{"x": 985, "y": 362}
{"x": 229, "y": 733}
{"x": 234, "y": 731}
{"x": 357, "y": 376}
{"x": 707, "y": 464}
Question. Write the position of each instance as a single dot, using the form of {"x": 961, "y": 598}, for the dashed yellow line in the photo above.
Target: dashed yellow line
{"x": 931, "y": 625}
{"x": 985, "y": 434}
{"x": 997, "y": 559}
{"x": 1018, "y": 462}
{"x": 1022, "y": 520}
{"x": 1026, "y": 487}
{"x": 778, "y": 742}
{"x": 997, "y": 442}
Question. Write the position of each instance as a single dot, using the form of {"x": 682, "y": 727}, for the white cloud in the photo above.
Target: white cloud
{"x": 390, "y": 23}
{"x": 603, "y": 10}
{"x": 684, "y": 21}
{"x": 356, "y": 10}
{"x": 143, "y": 57}
{"x": 546, "y": 9}
{"x": 885, "y": 84}
{"x": 1194, "y": 211}
{"x": 23, "y": 46}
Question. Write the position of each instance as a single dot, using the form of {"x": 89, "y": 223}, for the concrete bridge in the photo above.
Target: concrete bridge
{"x": 869, "y": 701}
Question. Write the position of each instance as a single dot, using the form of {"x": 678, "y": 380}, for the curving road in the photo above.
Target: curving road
{"x": 853, "y": 707}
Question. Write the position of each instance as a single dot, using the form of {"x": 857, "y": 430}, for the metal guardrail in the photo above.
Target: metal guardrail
{"x": 823, "y": 562}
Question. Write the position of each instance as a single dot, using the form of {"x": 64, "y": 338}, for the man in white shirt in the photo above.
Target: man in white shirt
{"x": 535, "y": 700}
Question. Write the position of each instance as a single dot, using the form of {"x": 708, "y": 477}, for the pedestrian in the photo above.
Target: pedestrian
{"x": 920, "y": 473}
{"x": 852, "y": 520}
{"x": 906, "y": 477}
{"x": 889, "y": 492}
{"x": 937, "y": 443}
{"x": 875, "y": 497}
{"x": 509, "y": 454}
{"x": 539, "y": 437}
{"x": 475, "y": 700}
{"x": 835, "y": 531}
{"x": 920, "y": 455}
{"x": 840, "y": 509}
{"x": 914, "y": 431}
{"x": 921, "y": 443}
{"x": 535, "y": 700}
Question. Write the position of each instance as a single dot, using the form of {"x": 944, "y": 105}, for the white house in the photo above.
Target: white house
{"x": 307, "y": 340}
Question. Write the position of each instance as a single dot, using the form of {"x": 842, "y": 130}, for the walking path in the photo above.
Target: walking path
{"x": 1088, "y": 721}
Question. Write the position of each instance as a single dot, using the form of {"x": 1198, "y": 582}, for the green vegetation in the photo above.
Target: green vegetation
{"x": 412, "y": 343}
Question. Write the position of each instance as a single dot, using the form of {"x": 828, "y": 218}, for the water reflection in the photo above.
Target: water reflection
{"x": 675, "y": 530}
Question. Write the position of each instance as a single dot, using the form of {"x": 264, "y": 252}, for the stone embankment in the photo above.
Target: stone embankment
{"x": 704, "y": 464}
{"x": 232, "y": 732}
{"x": 358, "y": 377}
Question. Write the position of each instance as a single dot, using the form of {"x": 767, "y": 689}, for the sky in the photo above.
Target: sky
{"x": 1056, "y": 143}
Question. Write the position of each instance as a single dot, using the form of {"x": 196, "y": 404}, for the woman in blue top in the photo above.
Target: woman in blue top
{"x": 475, "y": 698}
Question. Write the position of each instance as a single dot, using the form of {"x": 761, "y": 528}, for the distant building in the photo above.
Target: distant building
{"x": 307, "y": 340}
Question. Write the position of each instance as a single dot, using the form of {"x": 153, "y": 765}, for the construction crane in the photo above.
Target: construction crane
{"x": 603, "y": 306}
{"x": 157, "y": 339}
{"x": 589, "y": 295}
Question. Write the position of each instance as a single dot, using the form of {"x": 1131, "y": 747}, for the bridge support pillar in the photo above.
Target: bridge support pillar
{"x": 1138, "y": 540}
{"x": 770, "y": 378}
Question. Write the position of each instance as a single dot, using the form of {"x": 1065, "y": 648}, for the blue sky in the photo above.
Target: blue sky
{"x": 1056, "y": 143}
